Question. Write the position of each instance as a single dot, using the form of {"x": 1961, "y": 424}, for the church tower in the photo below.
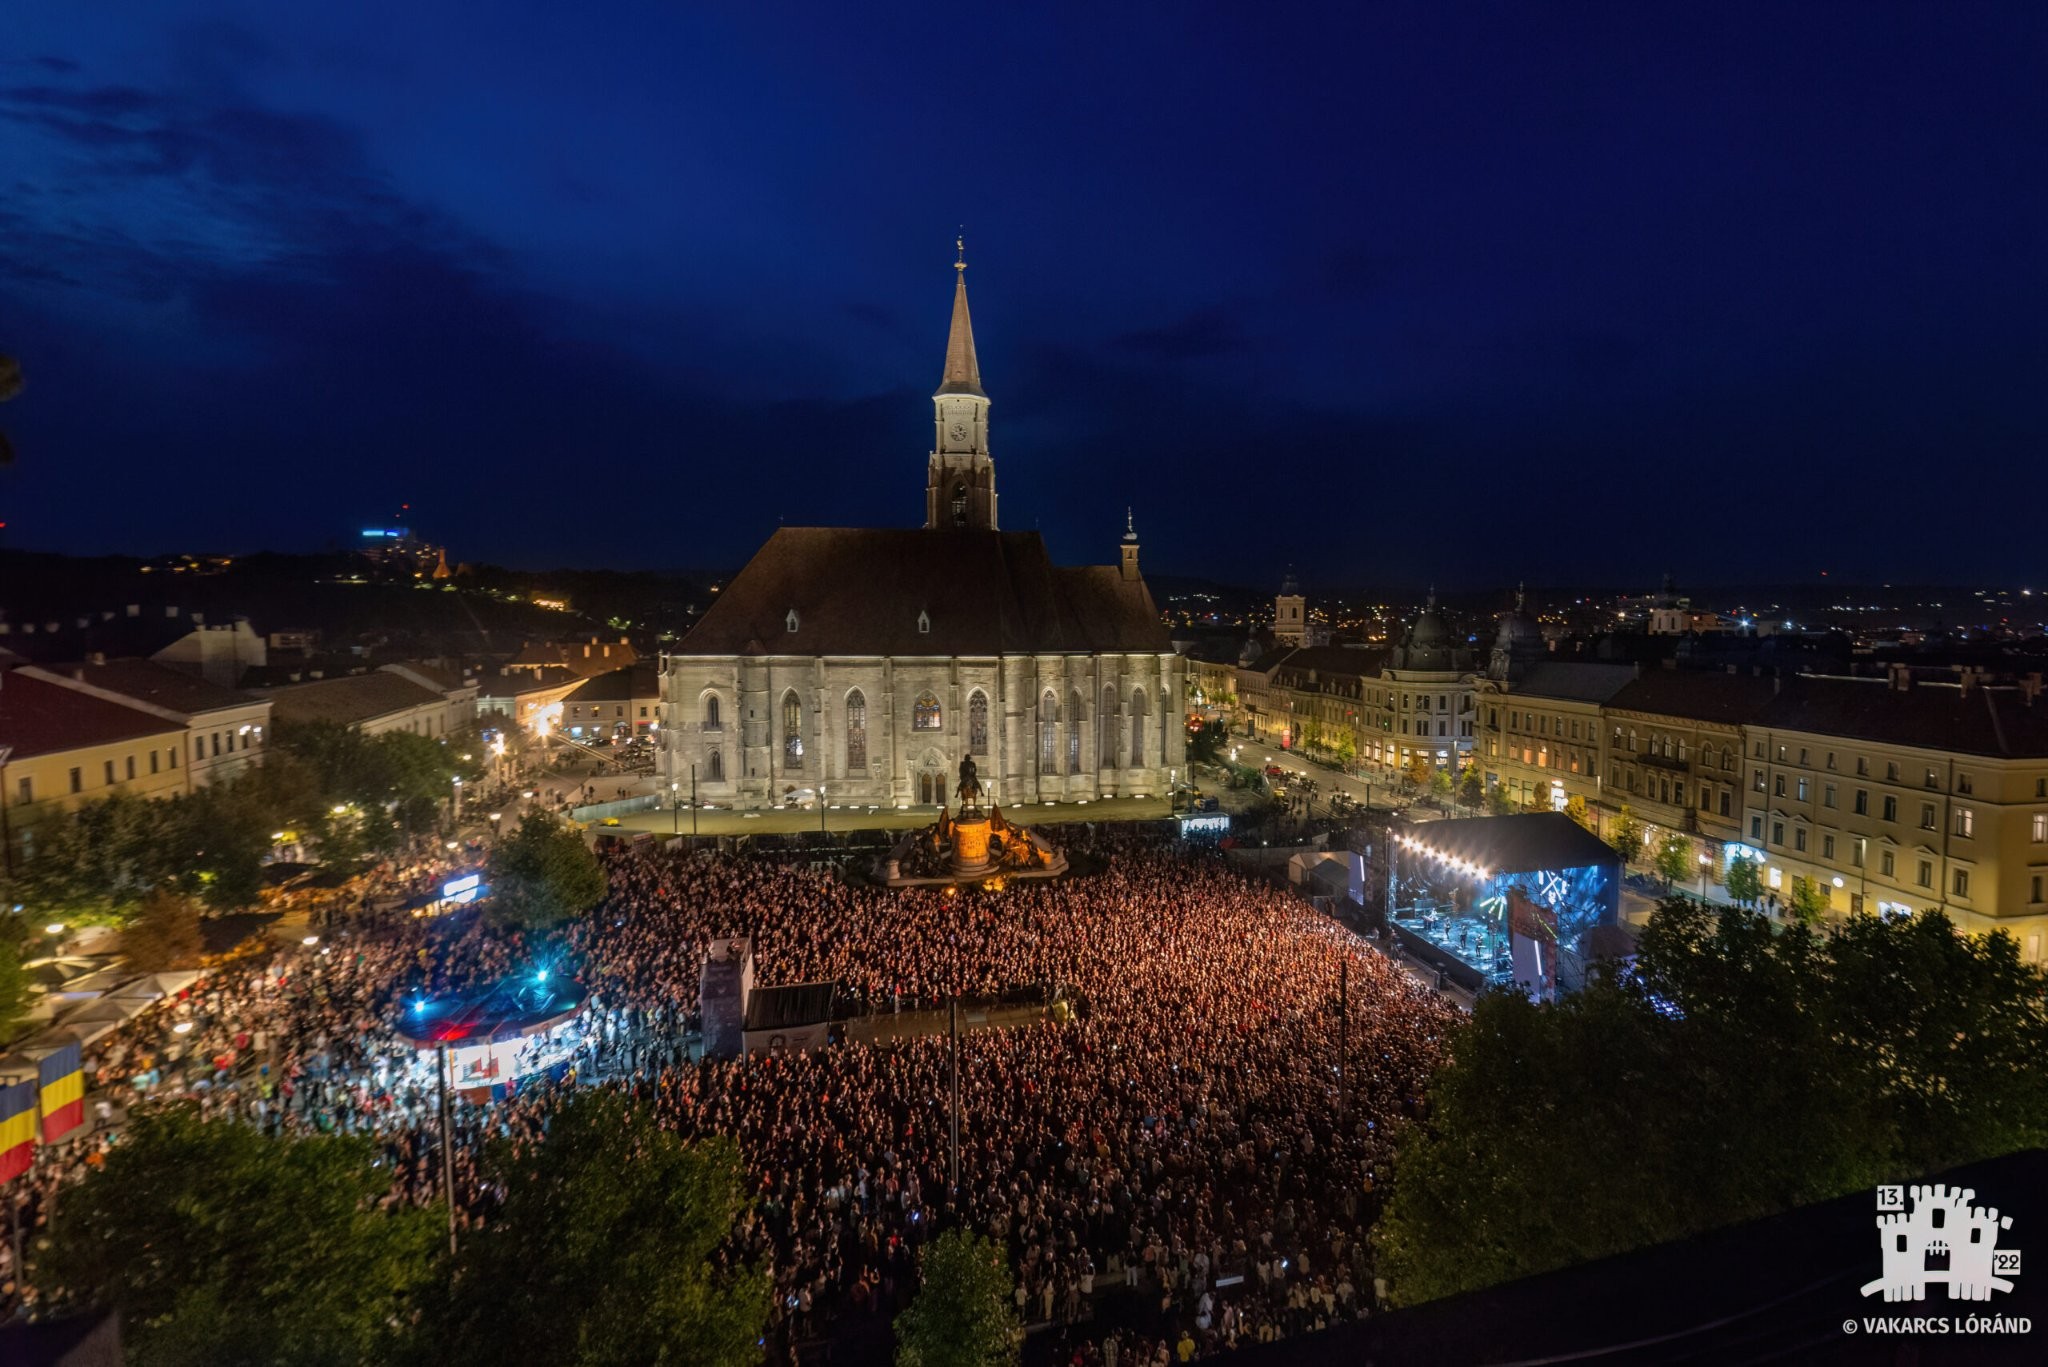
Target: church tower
{"x": 960, "y": 479}
{"x": 1290, "y": 614}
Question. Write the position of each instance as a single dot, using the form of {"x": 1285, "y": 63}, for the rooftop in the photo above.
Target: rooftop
{"x": 2002, "y": 722}
{"x": 38, "y": 717}
{"x": 159, "y": 685}
{"x": 1697, "y": 694}
{"x": 1524, "y": 843}
{"x": 349, "y": 700}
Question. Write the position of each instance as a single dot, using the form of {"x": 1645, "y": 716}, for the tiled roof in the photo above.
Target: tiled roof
{"x": 38, "y": 717}
{"x": 859, "y": 591}
{"x": 159, "y": 685}
{"x": 512, "y": 683}
{"x": 1330, "y": 662}
{"x": 620, "y": 685}
{"x": 1996, "y": 721}
{"x": 1575, "y": 682}
{"x": 349, "y": 700}
{"x": 1697, "y": 695}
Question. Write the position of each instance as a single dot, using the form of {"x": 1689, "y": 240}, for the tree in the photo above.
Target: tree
{"x": 1626, "y": 836}
{"x": 14, "y": 986}
{"x": 1575, "y": 808}
{"x": 1743, "y": 882}
{"x": 1440, "y": 785}
{"x": 964, "y": 1315}
{"x": 1471, "y": 786}
{"x": 1743, "y": 1072}
{"x": 611, "y": 1238}
{"x": 1809, "y": 900}
{"x": 544, "y": 874}
{"x": 1674, "y": 860}
{"x": 1500, "y": 801}
{"x": 219, "y": 1244}
{"x": 1417, "y": 772}
{"x": 164, "y": 933}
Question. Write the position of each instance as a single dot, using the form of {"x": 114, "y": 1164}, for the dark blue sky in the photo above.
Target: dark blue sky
{"x": 1393, "y": 292}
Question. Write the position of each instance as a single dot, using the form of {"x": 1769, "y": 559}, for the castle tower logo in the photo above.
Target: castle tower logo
{"x": 1934, "y": 1234}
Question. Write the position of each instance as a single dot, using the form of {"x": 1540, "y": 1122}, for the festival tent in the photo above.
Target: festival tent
{"x": 95, "y": 1019}
{"x": 155, "y": 986}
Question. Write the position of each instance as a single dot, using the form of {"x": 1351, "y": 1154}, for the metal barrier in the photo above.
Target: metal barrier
{"x": 624, "y": 806}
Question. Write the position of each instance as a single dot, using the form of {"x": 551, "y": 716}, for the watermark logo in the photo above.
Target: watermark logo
{"x": 1933, "y": 1234}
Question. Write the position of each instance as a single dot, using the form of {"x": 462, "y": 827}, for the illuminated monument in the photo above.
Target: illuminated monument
{"x": 975, "y": 847}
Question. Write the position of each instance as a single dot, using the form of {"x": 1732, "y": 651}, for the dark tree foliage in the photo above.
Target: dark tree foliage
{"x": 609, "y": 1251}
{"x": 1738, "y": 1072}
{"x": 964, "y": 1315}
{"x": 544, "y": 874}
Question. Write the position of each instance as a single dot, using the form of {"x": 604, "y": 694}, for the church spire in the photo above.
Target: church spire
{"x": 963, "y": 371}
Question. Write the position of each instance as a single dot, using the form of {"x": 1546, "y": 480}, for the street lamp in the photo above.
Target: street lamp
{"x": 675, "y": 808}
{"x": 1703, "y": 878}
{"x": 693, "y": 800}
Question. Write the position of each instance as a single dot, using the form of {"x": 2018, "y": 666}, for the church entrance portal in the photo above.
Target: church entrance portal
{"x": 931, "y": 781}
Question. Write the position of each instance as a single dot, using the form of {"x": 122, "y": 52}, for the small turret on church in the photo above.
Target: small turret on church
{"x": 1129, "y": 546}
{"x": 960, "y": 483}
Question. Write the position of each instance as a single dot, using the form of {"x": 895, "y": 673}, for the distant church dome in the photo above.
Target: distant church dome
{"x": 1428, "y": 643}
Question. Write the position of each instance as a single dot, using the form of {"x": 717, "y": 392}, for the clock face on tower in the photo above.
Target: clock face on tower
{"x": 957, "y": 433}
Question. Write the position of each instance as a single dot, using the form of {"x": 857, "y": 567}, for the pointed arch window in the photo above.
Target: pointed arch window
{"x": 1138, "y": 713}
{"x": 792, "y": 733}
{"x": 1074, "y": 732}
{"x": 856, "y": 731}
{"x": 711, "y": 722}
{"x": 717, "y": 766}
{"x": 1049, "y": 733}
{"x": 959, "y": 505}
{"x": 1105, "y": 730}
{"x": 924, "y": 713}
{"x": 977, "y": 723}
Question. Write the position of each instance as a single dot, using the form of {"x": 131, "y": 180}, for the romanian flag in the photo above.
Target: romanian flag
{"x": 63, "y": 1090}
{"x": 17, "y": 1126}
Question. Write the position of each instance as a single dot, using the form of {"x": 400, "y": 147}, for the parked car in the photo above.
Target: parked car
{"x": 805, "y": 798}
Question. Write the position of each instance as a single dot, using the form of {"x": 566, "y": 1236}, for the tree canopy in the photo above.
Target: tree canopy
{"x": 544, "y": 873}
{"x": 609, "y": 1250}
{"x": 1737, "y": 1072}
{"x": 219, "y": 1244}
{"x": 964, "y": 1315}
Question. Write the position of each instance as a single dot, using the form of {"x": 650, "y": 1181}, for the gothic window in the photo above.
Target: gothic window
{"x": 959, "y": 505}
{"x": 977, "y": 723}
{"x": 792, "y": 733}
{"x": 1049, "y": 733}
{"x": 1137, "y": 727}
{"x": 856, "y": 731}
{"x": 1105, "y": 730}
{"x": 717, "y": 766}
{"x": 1074, "y": 733}
{"x": 711, "y": 722}
{"x": 924, "y": 714}
{"x": 789, "y": 622}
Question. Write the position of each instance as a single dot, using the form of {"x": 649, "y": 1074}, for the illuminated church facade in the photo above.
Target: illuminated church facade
{"x": 862, "y": 664}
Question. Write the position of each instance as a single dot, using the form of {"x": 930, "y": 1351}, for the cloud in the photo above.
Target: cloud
{"x": 1199, "y": 336}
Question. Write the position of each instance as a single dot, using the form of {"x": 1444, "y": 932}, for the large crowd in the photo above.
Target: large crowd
{"x": 1188, "y": 1158}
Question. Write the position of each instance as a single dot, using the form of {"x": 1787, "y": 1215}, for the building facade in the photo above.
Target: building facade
{"x": 865, "y": 664}
{"x": 61, "y": 748}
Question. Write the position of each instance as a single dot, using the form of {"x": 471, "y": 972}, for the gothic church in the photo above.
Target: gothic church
{"x": 863, "y": 663}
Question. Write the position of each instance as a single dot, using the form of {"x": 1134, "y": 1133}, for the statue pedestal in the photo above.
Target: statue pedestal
{"x": 970, "y": 845}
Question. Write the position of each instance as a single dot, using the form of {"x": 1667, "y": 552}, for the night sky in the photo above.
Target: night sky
{"x": 1472, "y": 293}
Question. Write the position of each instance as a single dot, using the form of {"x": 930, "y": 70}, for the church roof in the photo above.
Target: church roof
{"x": 862, "y": 591}
{"x": 963, "y": 370}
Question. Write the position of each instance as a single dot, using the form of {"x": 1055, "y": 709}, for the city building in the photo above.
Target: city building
{"x": 586, "y": 658}
{"x": 62, "y": 747}
{"x": 1899, "y": 794}
{"x": 1674, "y": 750}
{"x": 1423, "y": 703}
{"x": 624, "y": 702}
{"x": 525, "y": 696}
{"x": 396, "y": 697}
{"x": 868, "y": 663}
{"x": 225, "y": 730}
{"x": 1541, "y": 734}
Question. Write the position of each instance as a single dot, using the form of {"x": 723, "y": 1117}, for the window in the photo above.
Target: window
{"x": 1804, "y": 791}
{"x": 1891, "y": 772}
{"x": 1799, "y": 839}
{"x": 1105, "y": 730}
{"x": 25, "y": 791}
{"x": 1777, "y": 785}
{"x": 1048, "y": 733}
{"x": 792, "y": 733}
{"x": 2038, "y": 882}
{"x": 1756, "y": 828}
{"x": 2041, "y": 828}
{"x": 1777, "y": 833}
{"x": 924, "y": 713}
{"x": 1926, "y": 879}
{"x": 1724, "y": 803}
{"x": 131, "y": 768}
{"x": 977, "y": 723}
{"x": 856, "y": 731}
{"x": 1758, "y": 781}
{"x": 1073, "y": 733}
{"x": 1827, "y": 846}
{"x": 173, "y": 753}
{"x": 1802, "y": 757}
{"x": 1827, "y": 795}
{"x": 1966, "y": 822}
{"x": 1927, "y": 816}
{"x": 1678, "y": 793}
{"x": 77, "y": 781}
{"x": 1138, "y": 714}
{"x": 789, "y": 622}
{"x": 1964, "y": 786}
{"x": 1959, "y": 882}
{"x": 216, "y": 745}
{"x": 960, "y": 505}
{"x": 1862, "y": 767}
{"x": 718, "y": 766}
{"x": 1856, "y": 855}
{"x": 1831, "y": 759}
{"x": 1863, "y": 802}
{"x": 1933, "y": 779}
{"x": 1443, "y": 728}
{"x": 109, "y": 767}
{"x": 1781, "y": 754}
{"x": 1891, "y": 808}
{"x": 924, "y": 623}
{"x": 1887, "y": 863}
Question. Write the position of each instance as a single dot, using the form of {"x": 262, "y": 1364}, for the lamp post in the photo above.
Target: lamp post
{"x": 455, "y": 802}
{"x": 821, "y": 807}
{"x": 693, "y": 801}
{"x": 444, "y": 1064}
{"x": 1703, "y": 879}
{"x": 675, "y": 808}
